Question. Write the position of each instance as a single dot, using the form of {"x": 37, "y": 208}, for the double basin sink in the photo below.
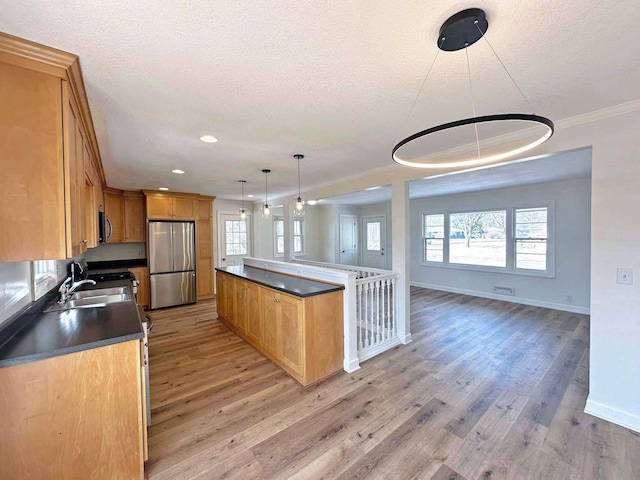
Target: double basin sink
{"x": 99, "y": 297}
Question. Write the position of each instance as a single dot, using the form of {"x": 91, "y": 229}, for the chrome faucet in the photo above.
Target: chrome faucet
{"x": 70, "y": 285}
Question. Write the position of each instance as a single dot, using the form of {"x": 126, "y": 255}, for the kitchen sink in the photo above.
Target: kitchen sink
{"x": 99, "y": 292}
{"x": 100, "y": 297}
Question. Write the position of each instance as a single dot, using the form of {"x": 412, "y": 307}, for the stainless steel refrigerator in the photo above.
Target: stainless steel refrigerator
{"x": 172, "y": 263}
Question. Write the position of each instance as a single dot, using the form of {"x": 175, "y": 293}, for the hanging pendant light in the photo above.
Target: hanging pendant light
{"x": 460, "y": 32}
{"x": 298, "y": 206}
{"x": 243, "y": 213}
{"x": 266, "y": 208}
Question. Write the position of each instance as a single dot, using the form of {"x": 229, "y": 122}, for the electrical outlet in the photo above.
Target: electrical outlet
{"x": 625, "y": 276}
{"x": 568, "y": 298}
{"x": 140, "y": 251}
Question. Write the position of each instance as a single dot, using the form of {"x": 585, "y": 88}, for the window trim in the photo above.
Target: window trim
{"x": 41, "y": 284}
{"x": 510, "y": 268}
{"x": 302, "y": 236}
{"x": 276, "y": 254}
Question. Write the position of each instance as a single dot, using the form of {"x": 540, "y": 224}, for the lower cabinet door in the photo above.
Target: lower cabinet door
{"x": 242, "y": 297}
{"x": 254, "y": 313}
{"x": 221, "y": 294}
{"x": 269, "y": 309}
{"x": 290, "y": 333}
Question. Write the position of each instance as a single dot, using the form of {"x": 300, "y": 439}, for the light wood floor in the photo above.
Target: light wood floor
{"x": 487, "y": 390}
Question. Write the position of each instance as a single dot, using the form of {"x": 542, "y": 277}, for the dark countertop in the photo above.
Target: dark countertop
{"x": 300, "y": 287}
{"x": 50, "y": 334}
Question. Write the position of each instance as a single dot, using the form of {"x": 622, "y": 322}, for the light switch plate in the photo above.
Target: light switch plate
{"x": 625, "y": 276}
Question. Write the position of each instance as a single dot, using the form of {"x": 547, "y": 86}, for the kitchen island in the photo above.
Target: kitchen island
{"x": 295, "y": 322}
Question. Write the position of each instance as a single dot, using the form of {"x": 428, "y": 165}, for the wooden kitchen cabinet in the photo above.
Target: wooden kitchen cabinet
{"x": 142, "y": 274}
{"x": 126, "y": 214}
{"x": 170, "y": 206}
{"x": 221, "y": 294}
{"x": 77, "y": 415}
{"x": 134, "y": 219}
{"x": 45, "y": 126}
{"x": 114, "y": 208}
{"x": 303, "y": 335}
{"x": 204, "y": 247}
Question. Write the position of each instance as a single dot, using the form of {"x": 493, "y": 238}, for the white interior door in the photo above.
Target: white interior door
{"x": 374, "y": 241}
{"x": 348, "y": 239}
{"x": 234, "y": 237}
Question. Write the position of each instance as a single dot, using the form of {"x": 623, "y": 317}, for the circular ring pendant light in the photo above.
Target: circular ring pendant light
{"x": 459, "y": 32}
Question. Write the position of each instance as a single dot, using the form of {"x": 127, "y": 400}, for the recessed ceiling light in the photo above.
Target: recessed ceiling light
{"x": 312, "y": 202}
{"x": 208, "y": 138}
{"x": 372, "y": 188}
{"x": 178, "y": 171}
{"x": 250, "y": 196}
{"x": 163, "y": 188}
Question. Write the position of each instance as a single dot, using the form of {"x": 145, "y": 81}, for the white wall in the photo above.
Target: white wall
{"x": 572, "y": 246}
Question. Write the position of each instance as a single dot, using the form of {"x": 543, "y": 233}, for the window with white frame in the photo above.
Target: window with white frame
{"x": 513, "y": 239}
{"x": 278, "y": 236}
{"x": 236, "y": 237}
{"x": 530, "y": 238}
{"x": 433, "y": 237}
{"x": 45, "y": 277}
{"x": 298, "y": 236}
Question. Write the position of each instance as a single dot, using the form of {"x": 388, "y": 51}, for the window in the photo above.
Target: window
{"x": 511, "y": 240}
{"x": 478, "y": 238}
{"x": 236, "y": 237}
{"x": 373, "y": 236}
{"x": 433, "y": 236}
{"x": 530, "y": 237}
{"x": 298, "y": 235}
{"x": 45, "y": 277}
{"x": 278, "y": 232}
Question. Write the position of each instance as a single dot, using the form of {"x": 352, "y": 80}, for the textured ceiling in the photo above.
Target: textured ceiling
{"x": 567, "y": 165}
{"x": 333, "y": 80}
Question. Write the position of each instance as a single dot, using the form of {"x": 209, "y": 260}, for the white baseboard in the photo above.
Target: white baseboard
{"x": 506, "y": 298}
{"x": 613, "y": 415}
{"x": 371, "y": 352}
{"x": 351, "y": 365}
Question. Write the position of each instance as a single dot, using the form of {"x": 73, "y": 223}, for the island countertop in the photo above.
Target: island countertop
{"x": 297, "y": 286}
{"x": 49, "y": 334}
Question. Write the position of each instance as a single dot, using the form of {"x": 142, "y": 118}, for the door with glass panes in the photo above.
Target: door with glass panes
{"x": 235, "y": 239}
{"x": 374, "y": 236}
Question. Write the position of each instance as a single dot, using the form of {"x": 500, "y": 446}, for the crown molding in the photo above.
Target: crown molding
{"x": 596, "y": 115}
{"x": 24, "y": 53}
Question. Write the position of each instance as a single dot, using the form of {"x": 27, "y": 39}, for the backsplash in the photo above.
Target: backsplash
{"x": 15, "y": 288}
{"x": 116, "y": 251}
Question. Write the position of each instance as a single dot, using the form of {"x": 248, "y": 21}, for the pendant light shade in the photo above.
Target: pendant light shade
{"x": 243, "y": 212}
{"x": 459, "y": 32}
{"x": 298, "y": 206}
{"x": 266, "y": 208}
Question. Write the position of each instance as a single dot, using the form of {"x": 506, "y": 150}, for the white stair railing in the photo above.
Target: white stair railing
{"x": 375, "y": 307}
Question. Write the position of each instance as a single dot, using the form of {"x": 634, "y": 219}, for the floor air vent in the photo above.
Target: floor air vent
{"x": 504, "y": 290}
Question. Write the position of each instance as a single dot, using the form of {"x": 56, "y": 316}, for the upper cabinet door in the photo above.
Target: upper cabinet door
{"x": 134, "y": 224}
{"x": 32, "y": 182}
{"x": 159, "y": 207}
{"x": 114, "y": 208}
{"x": 184, "y": 208}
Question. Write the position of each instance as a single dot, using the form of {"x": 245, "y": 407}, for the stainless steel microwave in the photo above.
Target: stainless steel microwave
{"x": 104, "y": 228}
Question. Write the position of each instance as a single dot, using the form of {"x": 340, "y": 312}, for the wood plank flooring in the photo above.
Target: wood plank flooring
{"x": 486, "y": 390}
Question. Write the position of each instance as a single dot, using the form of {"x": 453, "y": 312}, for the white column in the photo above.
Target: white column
{"x": 287, "y": 217}
{"x": 401, "y": 254}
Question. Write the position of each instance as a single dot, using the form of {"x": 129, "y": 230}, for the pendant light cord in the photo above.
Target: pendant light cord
{"x": 473, "y": 105}
{"x": 298, "y": 177}
{"x": 242, "y": 185}
{"x": 266, "y": 198}
{"x": 421, "y": 88}
{"x": 505, "y": 68}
